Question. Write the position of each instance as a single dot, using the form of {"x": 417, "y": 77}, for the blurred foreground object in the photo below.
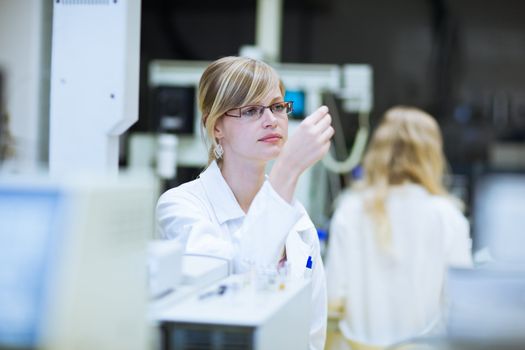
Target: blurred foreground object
{"x": 72, "y": 271}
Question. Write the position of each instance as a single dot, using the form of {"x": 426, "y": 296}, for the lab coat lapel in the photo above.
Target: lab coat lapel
{"x": 220, "y": 194}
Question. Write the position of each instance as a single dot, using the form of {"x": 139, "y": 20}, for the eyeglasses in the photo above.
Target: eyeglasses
{"x": 254, "y": 112}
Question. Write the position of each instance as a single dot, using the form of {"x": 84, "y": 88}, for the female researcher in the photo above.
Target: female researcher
{"x": 393, "y": 236}
{"x": 233, "y": 209}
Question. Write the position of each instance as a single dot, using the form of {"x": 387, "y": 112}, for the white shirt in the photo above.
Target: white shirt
{"x": 391, "y": 298}
{"x": 204, "y": 215}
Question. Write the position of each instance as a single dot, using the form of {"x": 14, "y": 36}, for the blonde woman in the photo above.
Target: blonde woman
{"x": 393, "y": 236}
{"x": 233, "y": 209}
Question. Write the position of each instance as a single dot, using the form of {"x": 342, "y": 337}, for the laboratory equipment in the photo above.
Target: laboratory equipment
{"x": 72, "y": 262}
{"x": 94, "y": 83}
{"x": 181, "y": 76}
{"x": 200, "y": 270}
{"x": 498, "y": 210}
{"x": 268, "y": 28}
{"x": 176, "y": 275}
{"x": 486, "y": 307}
{"x": 297, "y": 97}
{"x": 164, "y": 267}
{"x": 357, "y": 96}
{"x": 233, "y": 315}
{"x": 167, "y": 155}
{"x": 5, "y": 137}
{"x": 173, "y": 109}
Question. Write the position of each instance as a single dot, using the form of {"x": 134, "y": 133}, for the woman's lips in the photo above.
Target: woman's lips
{"x": 271, "y": 138}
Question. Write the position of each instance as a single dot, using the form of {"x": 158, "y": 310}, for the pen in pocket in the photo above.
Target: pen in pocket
{"x": 308, "y": 269}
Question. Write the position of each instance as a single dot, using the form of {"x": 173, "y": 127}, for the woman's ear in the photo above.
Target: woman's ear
{"x": 218, "y": 130}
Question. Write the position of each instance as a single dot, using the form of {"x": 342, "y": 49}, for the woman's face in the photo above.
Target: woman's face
{"x": 253, "y": 139}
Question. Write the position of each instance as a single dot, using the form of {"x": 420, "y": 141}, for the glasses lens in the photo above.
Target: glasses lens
{"x": 281, "y": 108}
{"x": 252, "y": 112}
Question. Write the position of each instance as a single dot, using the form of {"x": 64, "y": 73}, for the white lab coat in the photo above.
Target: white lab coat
{"x": 390, "y": 299}
{"x": 204, "y": 215}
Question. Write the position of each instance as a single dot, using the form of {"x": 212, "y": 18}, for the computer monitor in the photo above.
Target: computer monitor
{"x": 498, "y": 211}
{"x": 73, "y": 263}
{"x": 486, "y": 306}
{"x": 298, "y": 99}
{"x": 29, "y": 244}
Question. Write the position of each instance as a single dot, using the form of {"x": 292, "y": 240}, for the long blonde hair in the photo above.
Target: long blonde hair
{"x": 407, "y": 146}
{"x": 232, "y": 82}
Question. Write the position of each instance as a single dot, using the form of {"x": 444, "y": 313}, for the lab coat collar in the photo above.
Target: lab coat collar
{"x": 304, "y": 222}
{"x": 220, "y": 195}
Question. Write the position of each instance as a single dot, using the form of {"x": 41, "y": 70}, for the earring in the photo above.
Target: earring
{"x": 218, "y": 151}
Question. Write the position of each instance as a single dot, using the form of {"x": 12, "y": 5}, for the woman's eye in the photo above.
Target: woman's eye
{"x": 280, "y": 107}
{"x": 250, "y": 112}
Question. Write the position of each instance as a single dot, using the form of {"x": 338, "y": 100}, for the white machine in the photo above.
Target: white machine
{"x": 94, "y": 83}
{"x": 174, "y": 275}
{"x": 487, "y": 307}
{"x": 164, "y": 267}
{"x": 72, "y": 262}
{"x": 201, "y": 305}
{"x": 498, "y": 211}
{"x": 233, "y": 315}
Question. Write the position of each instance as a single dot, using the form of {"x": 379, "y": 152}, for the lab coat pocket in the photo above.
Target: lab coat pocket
{"x": 298, "y": 252}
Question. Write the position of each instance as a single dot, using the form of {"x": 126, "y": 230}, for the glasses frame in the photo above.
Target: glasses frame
{"x": 270, "y": 107}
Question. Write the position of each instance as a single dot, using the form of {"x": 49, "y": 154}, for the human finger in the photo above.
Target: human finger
{"x": 327, "y": 133}
{"x": 323, "y": 150}
{"x": 324, "y": 123}
{"x": 316, "y": 116}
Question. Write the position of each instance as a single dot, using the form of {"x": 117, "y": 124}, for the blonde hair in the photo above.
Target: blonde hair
{"x": 232, "y": 82}
{"x": 407, "y": 146}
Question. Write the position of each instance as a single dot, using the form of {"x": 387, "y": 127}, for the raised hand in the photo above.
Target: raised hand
{"x": 308, "y": 144}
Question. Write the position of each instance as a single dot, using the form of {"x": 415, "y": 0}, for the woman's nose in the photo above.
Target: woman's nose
{"x": 269, "y": 120}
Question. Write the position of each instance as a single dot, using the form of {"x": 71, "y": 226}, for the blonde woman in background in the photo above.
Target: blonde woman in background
{"x": 235, "y": 211}
{"x": 393, "y": 236}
